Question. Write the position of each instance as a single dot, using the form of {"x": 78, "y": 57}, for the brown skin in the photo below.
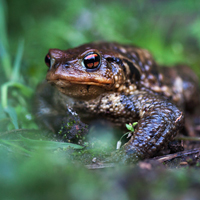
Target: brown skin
{"x": 121, "y": 84}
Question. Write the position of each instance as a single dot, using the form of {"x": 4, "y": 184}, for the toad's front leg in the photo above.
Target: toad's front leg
{"x": 159, "y": 123}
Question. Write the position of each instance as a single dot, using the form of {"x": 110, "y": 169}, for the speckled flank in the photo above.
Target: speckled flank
{"x": 124, "y": 87}
{"x": 159, "y": 122}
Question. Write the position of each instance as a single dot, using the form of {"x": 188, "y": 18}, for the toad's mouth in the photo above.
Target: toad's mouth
{"x": 70, "y": 79}
{"x": 66, "y": 84}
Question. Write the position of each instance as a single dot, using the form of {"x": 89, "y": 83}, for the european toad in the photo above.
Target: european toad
{"x": 121, "y": 84}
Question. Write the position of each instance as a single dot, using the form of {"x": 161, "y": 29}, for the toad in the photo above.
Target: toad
{"x": 120, "y": 84}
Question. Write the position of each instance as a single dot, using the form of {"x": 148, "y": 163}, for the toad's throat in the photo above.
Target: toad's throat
{"x": 81, "y": 91}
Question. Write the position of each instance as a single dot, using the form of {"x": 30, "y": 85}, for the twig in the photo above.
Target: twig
{"x": 99, "y": 166}
{"x": 188, "y": 138}
{"x": 176, "y": 155}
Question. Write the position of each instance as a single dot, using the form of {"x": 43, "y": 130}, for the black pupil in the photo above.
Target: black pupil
{"x": 47, "y": 60}
{"x": 92, "y": 61}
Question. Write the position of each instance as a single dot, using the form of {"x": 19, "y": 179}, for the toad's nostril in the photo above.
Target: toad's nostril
{"x": 67, "y": 65}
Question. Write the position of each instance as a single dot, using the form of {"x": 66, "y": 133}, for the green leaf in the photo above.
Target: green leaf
{"x": 129, "y": 127}
{"x": 14, "y": 146}
{"x": 15, "y": 141}
{"x": 13, "y": 116}
{"x": 134, "y": 124}
{"x": 50, "y": 145}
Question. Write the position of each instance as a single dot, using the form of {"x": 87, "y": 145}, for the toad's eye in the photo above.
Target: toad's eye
{"x": 92, "y": 61}
{"x": 48, "y": 60}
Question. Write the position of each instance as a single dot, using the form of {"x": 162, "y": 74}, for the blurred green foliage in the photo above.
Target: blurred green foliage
{"x": 52, "y": 176}
{"x": 169, "y": 29}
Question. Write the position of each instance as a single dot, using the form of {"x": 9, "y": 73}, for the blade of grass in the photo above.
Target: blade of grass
{"x": 19, "y": 131}
{"x": 5, "y": 57}
{"x": 11, "y": 144}
{"x": 13, "y": 116}
{"x": 4, "y": 91}
{"x": 37, "y": 144}
{"x": 48, "y": 144}
{"x": 2, "y": 114}
{"x": 16, "y": 69}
